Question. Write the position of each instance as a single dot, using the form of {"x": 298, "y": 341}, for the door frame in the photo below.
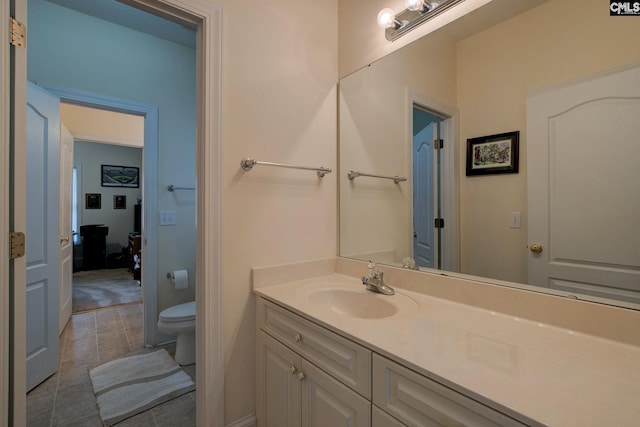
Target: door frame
{"x": 5, "y": 179}
{"x": 450, "y": 185}
{"x": 206, "y": 18}
{"x": 149, "y": 192}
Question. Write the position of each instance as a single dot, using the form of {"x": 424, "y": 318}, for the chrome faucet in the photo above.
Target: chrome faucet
{"x": 375, "y": 281}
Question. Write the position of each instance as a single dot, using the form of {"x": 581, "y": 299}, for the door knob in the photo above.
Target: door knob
{"x": 64, "y": 239}
{"x": 536, "y": 248}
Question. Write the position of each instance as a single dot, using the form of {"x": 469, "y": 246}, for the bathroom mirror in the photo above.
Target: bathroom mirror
{"x": 471, "y": 79}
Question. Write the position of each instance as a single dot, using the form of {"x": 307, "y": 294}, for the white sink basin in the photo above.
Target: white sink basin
{"x": 361, "y": 304}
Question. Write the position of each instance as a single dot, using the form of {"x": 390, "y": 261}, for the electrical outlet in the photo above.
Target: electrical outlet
{"x": 514, "y": 220}
{"x": 167, "y": 217}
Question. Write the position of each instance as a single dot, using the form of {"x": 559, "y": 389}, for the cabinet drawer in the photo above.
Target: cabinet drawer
{"x": 419, "y": 401}
{"x": 343, "y": 359}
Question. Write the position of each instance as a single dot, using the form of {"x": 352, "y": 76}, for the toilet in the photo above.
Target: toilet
{"x": 180, "y": 320}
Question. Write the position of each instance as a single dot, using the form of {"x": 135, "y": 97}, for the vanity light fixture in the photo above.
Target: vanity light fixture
{"x": 416, "y": 13}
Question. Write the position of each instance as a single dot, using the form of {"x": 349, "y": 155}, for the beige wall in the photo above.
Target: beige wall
{"x": 559, "y": 40}
{"x": 375, "y": 138}
{"x": 362, "y": 41}
{"x": 280, "y": 105}
{"x": 279, "y": 76}
{"x": 94, "y": 125}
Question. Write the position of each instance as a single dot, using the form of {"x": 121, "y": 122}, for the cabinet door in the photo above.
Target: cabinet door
{"x": 328, "y": 403}
{"x": 379, "y": 418}
{"x": 278, "y": 384}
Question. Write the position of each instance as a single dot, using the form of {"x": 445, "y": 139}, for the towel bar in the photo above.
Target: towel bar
{"x": 248, "y": 164}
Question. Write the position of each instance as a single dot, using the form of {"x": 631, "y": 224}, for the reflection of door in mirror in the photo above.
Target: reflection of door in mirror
{"x": 426, "y": 191}
{"x": 583, "y": 178}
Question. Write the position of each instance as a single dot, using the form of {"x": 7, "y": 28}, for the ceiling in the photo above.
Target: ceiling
{"x": 127, "y": 16}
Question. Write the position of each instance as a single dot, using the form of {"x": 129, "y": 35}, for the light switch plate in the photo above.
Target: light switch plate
{"x": 514, "y": 220}
{"x": 167, "y": 217}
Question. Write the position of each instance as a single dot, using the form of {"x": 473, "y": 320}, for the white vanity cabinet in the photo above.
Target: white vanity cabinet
{"x": 307, "y": 375}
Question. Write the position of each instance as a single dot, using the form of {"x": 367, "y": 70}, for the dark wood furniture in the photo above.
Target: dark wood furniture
{"x": 135, "y": 255}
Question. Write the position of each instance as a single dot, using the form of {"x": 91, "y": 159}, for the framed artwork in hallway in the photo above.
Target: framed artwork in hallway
{"x": 93, "y": 201}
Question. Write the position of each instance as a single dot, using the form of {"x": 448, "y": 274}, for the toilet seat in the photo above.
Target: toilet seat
{"x": 179, "y": 313}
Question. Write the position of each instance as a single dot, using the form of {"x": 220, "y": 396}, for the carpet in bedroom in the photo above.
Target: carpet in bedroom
{"x": 95, "y": 289}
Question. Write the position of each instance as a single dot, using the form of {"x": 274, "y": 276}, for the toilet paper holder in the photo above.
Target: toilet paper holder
{"x": 179, "y": 278}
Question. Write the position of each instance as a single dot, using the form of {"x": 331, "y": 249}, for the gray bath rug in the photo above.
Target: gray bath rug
{"x": 127, "y": 386}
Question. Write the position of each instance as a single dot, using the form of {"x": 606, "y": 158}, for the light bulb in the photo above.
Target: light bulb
{"x": 386, "y": 18}
{"x": 414, "y": 4}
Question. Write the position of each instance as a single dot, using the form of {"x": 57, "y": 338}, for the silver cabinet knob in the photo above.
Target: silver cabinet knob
{"x": 297, "y": 337}
{"x": 301, "y": 376}
{"x": 293, "y": 370}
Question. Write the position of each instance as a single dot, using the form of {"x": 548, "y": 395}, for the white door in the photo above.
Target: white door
{"x": 583, "y": 174}
{"x": 66, "y": 234}
{"x": 423, "y": 198}
{"x": 42, "y": 242}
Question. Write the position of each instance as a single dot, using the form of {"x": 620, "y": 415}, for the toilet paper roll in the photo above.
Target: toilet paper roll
{"x": 180, "y": 279}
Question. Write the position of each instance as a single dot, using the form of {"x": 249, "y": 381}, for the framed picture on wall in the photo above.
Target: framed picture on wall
{"x": 493, "y": 154}
{"x": 120, "y": 176}
{"x": 93, "y": 201}
{"x": 119, "y": 202}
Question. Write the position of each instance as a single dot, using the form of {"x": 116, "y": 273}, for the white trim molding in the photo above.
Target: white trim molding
{"x": 5, "y": 153}
{"x": 206, "y": 17}
{"x": 450, "y": 178}
{"x": 149, "y": 188}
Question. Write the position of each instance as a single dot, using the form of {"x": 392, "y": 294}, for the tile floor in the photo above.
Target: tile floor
{"x": 88, "y": 340}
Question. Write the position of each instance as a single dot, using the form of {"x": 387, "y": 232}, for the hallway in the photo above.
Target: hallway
{"x": 91, "y": 339}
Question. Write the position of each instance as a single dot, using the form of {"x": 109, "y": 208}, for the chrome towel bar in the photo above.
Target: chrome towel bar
{"x": 354, "y": 174}
{"x": 174, "y": 188}
{"x": 248, "y": 164}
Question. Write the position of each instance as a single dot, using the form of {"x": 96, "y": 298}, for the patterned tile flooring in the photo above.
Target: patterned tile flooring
{"x": 90, "y": 339}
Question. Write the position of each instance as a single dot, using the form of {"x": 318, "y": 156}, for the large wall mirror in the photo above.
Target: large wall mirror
{"x": 559, "y": 75}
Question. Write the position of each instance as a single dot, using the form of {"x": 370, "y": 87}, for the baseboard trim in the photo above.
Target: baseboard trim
{"x": 248, "y": 421}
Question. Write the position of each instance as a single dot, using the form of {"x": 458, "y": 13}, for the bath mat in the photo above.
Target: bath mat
{"x": 127, "y": 386}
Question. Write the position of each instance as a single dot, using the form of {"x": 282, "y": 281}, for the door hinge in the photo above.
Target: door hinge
{"x": 18, "y": 33}
{"x": 439, "y": 223}
{"x": 17, "y": 245}
{"x": 438, "y": 144}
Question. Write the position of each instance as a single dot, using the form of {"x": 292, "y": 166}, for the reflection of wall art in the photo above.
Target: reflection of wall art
{"x": 93, "y": 201}
{"x": 120, "y": 176}
{"x": 119, "y": 202}
{"x": 493, "y": 154}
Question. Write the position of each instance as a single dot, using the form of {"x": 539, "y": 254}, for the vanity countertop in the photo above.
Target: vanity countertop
{"x": 531, "y": 370}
